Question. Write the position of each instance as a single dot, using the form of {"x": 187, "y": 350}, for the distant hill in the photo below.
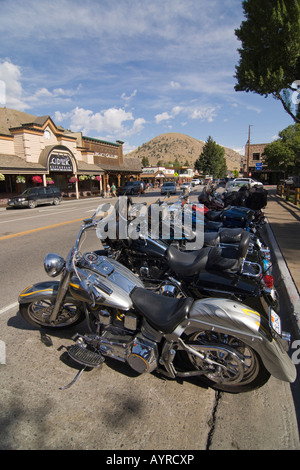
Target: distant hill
{"x": 168, "y": 147}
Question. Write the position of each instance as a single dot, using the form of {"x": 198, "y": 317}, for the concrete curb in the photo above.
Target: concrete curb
{"x": 286, "y": 283}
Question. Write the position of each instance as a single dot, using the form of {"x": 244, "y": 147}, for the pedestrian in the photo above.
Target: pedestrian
{"x": 113, "y": 190}
{"x": 107, "y": 190}
{"x": 141, "y": 188}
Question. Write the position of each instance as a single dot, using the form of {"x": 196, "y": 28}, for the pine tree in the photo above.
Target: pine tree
{"x": 212, "y": 159}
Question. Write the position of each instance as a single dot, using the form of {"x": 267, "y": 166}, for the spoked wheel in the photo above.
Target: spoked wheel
{"x": 38, "y": 313}
{"x": 230, "y": 365}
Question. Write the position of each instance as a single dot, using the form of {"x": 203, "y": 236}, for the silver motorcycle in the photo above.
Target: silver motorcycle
{"x": 224, "y": 343}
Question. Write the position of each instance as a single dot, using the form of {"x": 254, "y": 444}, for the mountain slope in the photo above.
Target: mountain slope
{"x": 168, "y": 147}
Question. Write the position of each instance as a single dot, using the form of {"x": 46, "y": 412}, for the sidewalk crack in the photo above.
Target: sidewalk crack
{"x": 212, "y": 420}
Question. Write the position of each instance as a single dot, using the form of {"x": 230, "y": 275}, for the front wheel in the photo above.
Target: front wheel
{"x": 228, "y": 363}
{"x": 32, "y": 204}
{"x": 38, "y": 313}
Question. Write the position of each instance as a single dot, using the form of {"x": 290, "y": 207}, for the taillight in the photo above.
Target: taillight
{"x": 268, "y": 280}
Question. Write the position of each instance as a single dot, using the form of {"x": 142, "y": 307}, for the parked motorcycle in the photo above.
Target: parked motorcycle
{"x": 243, "y": 208}
{"x": 216, "y": 271}
{"x": 223, "y": 230}
{"x": 225, "y": 343}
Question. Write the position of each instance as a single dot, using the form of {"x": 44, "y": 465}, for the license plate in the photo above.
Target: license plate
{"x": 275, "y": 322}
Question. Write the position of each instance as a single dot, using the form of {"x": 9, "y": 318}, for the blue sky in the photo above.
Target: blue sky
{"x": 133, "y": 69}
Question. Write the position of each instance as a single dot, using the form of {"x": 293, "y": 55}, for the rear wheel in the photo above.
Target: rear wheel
{"x": 38, "y": 313}
{"x": 230, "y": 365}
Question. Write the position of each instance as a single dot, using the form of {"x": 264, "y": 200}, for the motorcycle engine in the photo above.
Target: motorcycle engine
{"x": 143, "y": 356}
{"x": 121, "y": 341}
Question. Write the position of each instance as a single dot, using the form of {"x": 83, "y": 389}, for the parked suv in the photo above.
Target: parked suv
{"x": 249, "y": 181}
{"x": 32, "y": 197}
{"x": 168, "y": 187}
{"x": 131, "y": 187}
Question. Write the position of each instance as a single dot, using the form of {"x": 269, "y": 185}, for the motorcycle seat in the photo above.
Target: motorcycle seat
{"x": 230, "y": 235}
{"x": 211, "y": 238}
{"x": 229, "y": 259}
{"x": 187, "y": 263}
{"x": 164, "y": 313}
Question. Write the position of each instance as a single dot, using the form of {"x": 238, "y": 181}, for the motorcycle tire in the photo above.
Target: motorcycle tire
{"x": 37, "y": 313}
{"x": 231, "y": 376}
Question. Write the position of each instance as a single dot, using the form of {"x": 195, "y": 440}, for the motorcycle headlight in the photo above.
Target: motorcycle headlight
{"x": 53, "y": 264}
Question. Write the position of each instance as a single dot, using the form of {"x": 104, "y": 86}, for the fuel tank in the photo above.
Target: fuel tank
{"x": 151, "y": 247}
{"x": 112, "y": 282}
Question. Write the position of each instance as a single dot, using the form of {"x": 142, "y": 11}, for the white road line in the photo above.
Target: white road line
{"x": 9, "y": 307}
{"x": 35, "y": 216}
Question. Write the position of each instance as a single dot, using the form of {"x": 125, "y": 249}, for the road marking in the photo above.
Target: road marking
{"x": 20, "y": 234}
{"x": 36, "y": 216}
{"x": 8, "y": 307}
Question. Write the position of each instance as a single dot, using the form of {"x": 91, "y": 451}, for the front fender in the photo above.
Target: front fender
{"x": 232, "y": 318}
{"x": 39, "y": 291}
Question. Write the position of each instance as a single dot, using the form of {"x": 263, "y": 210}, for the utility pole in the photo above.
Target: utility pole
{"x": 248, "y": 150}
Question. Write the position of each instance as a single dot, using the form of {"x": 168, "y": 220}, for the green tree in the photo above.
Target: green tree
{"x": 145, "y": 161}
{"x": 176, "y": 163}
{"x": 212, "y": 160}
{"x": 284, "y": 153}
{"x": 270, "y": 53}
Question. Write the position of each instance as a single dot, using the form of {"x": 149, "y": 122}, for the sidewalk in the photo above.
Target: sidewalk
{"x": 283, "y": 231}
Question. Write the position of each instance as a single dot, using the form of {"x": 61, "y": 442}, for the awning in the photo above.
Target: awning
{"x": 13, "y": 165}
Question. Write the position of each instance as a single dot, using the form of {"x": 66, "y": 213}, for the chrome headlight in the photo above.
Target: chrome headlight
{"x": 53, "y": 264}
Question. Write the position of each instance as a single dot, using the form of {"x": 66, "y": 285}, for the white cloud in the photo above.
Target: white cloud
{"x": 42, "y": 94}
{"x": 175, "y": 85}
{"x": 203, "y": 113}
{"x": 166, "y": 116}
{"x": 110, "y": 121}
{"x": 254, "y": 108}
{"x": 128, "y": 98}
{"x": 10, "y": 75}
{"x": 162, "y": 117}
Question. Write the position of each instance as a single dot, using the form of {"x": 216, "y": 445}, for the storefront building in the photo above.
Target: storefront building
{"x": 34, "y": 150}
{"x": 157, "y": 175}
{"x": 255, "y": 166}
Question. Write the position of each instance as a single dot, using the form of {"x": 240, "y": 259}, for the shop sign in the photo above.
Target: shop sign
{"x": 60, "y": 162}
{"x": 105, "y": 154}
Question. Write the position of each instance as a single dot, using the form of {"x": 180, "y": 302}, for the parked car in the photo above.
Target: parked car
{"x": 33, "y": 197}
{"x": 196, "y": 181}
{"x": 131, "y": 187}
{"x": 168, "y": 187}
{"x": 186, "y": 186}
{"x": 249, "y": 181}
{"x": 235, "y": 186}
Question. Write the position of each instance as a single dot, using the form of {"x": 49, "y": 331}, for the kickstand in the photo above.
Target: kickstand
{"x": 73, "y": 381}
